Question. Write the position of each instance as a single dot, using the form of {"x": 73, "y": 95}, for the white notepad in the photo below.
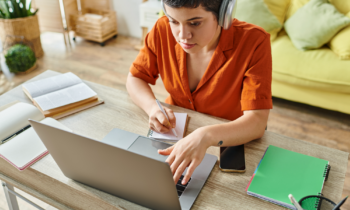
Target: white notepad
{"x": 181, "y": 121}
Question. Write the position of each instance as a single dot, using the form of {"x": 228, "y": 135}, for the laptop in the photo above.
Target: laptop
{"x": 124, "y": 164}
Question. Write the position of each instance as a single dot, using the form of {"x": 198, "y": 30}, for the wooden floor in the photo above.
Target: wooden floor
{"x": 109, "y": 66}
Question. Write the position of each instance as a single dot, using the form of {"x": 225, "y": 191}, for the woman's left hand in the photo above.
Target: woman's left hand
{"x": 187, "y": 152}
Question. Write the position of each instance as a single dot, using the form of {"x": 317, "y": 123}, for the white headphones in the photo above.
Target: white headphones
{"x": 226, "y": 13}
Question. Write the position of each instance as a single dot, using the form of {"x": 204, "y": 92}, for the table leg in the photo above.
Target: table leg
{"x": 11, "y": 199}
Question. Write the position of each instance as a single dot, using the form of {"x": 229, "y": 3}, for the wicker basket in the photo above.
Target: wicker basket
{"x": 98, "y": 30}
{"x": 27, "y": 27}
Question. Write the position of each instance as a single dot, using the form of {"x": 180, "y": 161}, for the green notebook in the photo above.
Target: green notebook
{"x": 282, "y": 172}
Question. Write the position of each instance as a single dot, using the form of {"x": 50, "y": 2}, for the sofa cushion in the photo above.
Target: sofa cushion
{"x": 315, "y": 24}
{"x": 257, "y": 12}
{"x": 279, "y": 8}
{"x": 294, "y": 6}
{"x": 340, "y": 43}
{"x": 316, "y": 69}
{"x": 342, "y": 5}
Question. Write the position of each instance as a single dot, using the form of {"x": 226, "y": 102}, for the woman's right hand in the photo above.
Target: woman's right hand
{"x": 158, "y": 121}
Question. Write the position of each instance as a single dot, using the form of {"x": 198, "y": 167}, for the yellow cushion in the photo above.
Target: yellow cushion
{"x": 161, "y": 13}
{"x": 278, "y": 8}
{"x": 340, "y": 43}
{"x": 342, "y": 6}
{"x": 316, "y": 69}
{"x": 294, "y": 6}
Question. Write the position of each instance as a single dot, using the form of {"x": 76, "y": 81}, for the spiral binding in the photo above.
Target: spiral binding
{"x": 317, "y": 203}
{"x": 326, "y": 171}
{"x": 325, "y": 175}
{"x": 150, "y": 133}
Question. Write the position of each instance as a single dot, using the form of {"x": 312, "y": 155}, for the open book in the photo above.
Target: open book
{"x": 19, "y": 143}
{"x": 181, "y": 124}
{"x": 62, "y": 93}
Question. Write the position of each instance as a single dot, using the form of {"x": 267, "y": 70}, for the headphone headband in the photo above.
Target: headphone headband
{"x": 226, "y": 13}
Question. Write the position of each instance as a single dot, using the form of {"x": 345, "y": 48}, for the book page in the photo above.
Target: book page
{"x": 15, "y": 117}
{"x": 65, "y": 96}
{"x": 51, "y": 84}
{"x": 181, "y": 119}
{"x": 27, "y": 146}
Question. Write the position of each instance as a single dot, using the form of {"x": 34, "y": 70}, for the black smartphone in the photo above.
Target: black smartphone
{"x": 232, "y": 159}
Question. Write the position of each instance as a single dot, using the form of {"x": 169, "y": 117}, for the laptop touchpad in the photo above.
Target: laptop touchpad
{"x": 149, "y": 148}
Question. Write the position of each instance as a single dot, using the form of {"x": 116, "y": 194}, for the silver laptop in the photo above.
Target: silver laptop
{"x": 124, "y": 164}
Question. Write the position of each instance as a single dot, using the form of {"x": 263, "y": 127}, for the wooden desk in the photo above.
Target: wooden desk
{"x": 45, "y": 180}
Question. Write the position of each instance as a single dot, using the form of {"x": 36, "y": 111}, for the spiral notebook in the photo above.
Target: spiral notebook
{"x": 181, "y": 124}
{"x": 282, "y": 172}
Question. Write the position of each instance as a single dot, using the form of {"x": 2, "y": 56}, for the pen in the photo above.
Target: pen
{"x": 340, "y": 203}
{"x": 294, "y": 202}
{"x": 161, "y": 109}
{"x": 15, "y": 134}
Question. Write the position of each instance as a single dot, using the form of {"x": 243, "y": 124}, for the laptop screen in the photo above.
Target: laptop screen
{"x": 149, "y": 148}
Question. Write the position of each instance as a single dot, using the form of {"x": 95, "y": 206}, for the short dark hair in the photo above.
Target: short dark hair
{"x": 209, "y": 5}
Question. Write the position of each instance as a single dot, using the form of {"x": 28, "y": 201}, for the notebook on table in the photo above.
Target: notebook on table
{"x": 19, "y": 143}
{"x": 282, "y": 172}
{"x": 63, "y": 94}
{"x": 181, "y": 125}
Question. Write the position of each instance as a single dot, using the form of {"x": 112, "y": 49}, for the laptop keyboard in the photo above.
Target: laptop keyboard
{"x": 180, "y": 187}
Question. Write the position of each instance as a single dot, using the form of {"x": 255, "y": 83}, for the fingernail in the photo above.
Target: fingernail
{"x": 174, "y": 125}
{"x": 183, "y": 182}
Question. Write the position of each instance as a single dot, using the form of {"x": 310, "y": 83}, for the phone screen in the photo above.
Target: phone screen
{"x": 232, "y": 158}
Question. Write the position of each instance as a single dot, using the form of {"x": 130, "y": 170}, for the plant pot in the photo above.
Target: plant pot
{"x": 27, "y": 27}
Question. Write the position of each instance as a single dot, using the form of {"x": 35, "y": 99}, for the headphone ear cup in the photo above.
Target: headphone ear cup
{"x": 222, "y": 12}
{"x": 163, "y": 7}
{"x": 228, "y": 14}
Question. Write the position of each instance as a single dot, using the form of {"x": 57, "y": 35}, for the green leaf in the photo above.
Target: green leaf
{"x": 5, "y": 8}
{"x": 2, "y": 14}
{"x": 34, "y": 13}
{"x": 29, "y": 12}
{"x": 16, "y": 9}
{"x": 24, "y": 8}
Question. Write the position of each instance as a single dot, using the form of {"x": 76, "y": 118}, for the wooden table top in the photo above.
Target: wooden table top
{"x": 45, "y": 180}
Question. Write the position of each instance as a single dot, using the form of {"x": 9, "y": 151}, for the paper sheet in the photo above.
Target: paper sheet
{"x": 27, "y": 146}
{"x": 44, "y": 86}
{"x": 181, "y": 119}
{"x": 16, "y": 117}
{"x": 65, "y": 96}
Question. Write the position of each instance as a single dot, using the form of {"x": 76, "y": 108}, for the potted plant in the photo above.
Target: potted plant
{"x": 17, "y": 18}
{"x": 20, "y": 59}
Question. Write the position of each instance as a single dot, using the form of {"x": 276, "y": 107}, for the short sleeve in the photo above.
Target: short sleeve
{"x": 256, "y": 90}
{"x": 145, "y": 65}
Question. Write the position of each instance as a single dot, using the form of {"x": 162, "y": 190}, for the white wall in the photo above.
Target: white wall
{"x": 128, "y": 17}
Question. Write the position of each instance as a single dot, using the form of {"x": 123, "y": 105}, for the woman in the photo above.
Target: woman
{"x": 224, "y": 73}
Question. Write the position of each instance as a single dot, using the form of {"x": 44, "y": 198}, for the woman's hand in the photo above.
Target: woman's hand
{"x": 158, "y": 121}
{"x": 188, "y": 152}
